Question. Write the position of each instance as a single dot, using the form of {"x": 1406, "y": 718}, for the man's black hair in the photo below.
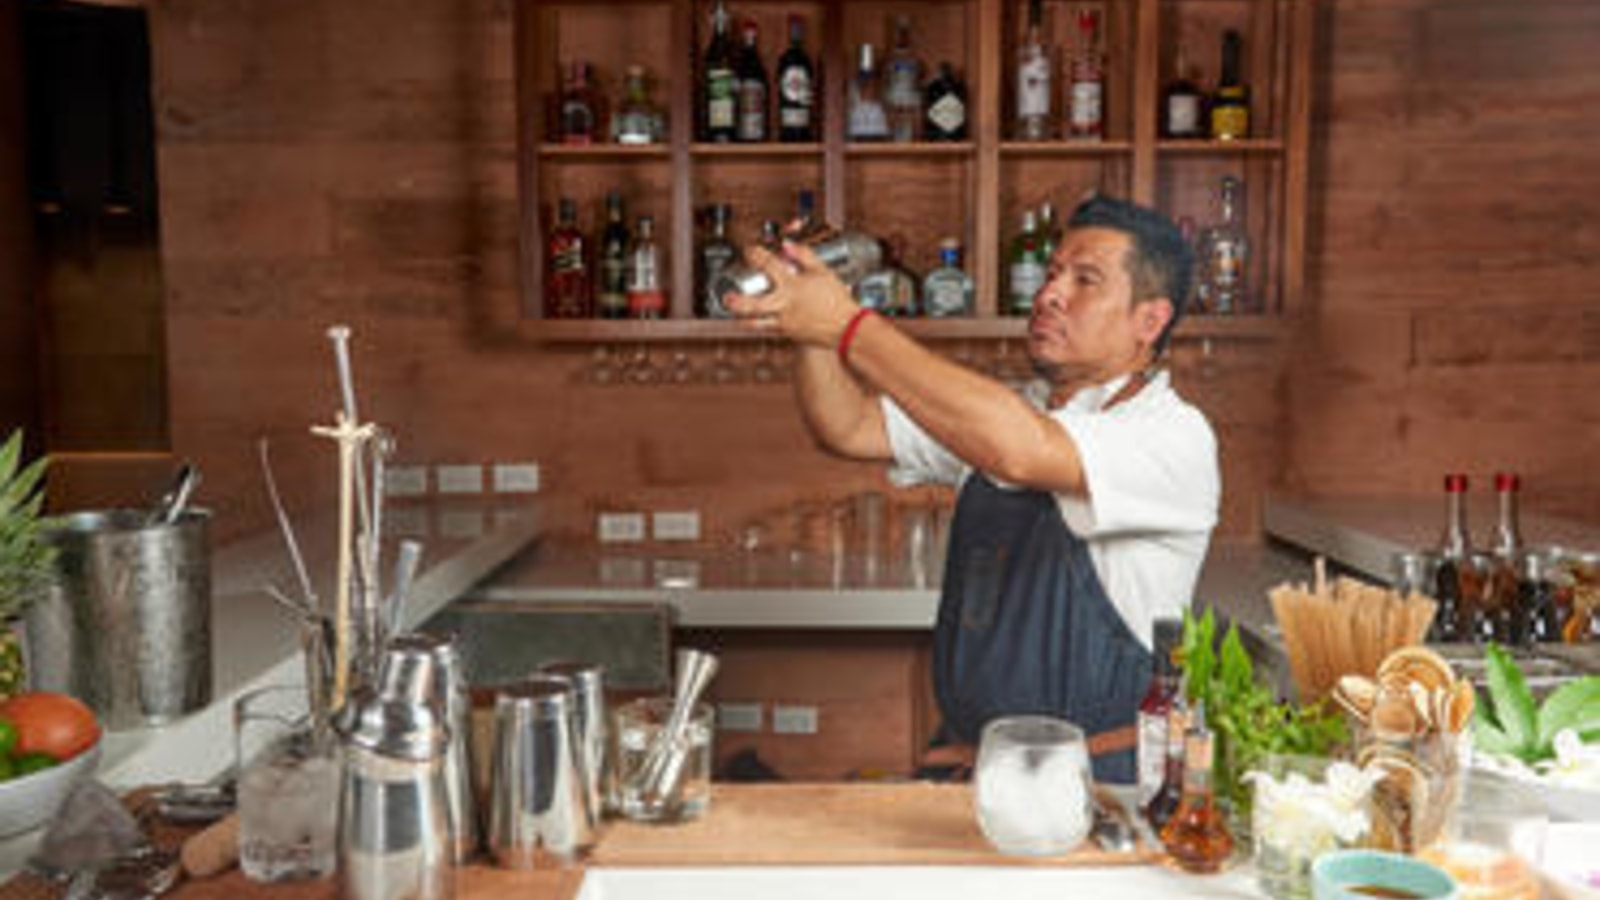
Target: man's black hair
{"x": 1161, "y": 262}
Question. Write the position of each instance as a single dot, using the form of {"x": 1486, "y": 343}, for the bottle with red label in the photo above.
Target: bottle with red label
{"x": 646, "y": 298}
{"x": 567, "y": 287}
{"x": 1156, "y": 707}
{"x": 1085, "y": 102}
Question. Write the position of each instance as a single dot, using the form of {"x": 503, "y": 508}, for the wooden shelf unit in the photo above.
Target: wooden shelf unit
{"x": 915, "y": 194}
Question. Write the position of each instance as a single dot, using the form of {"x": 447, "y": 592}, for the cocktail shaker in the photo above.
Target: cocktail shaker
{"x": 539, "y": 812}
{"x": 406, "y": 656}
{"x": 589, "y": 721}
{"x": 850, "y": 254}
{"x": 394, "y": 820}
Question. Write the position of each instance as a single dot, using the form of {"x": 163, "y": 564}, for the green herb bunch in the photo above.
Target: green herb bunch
{"x": 27, "y": 561}
{"x": 1512, "y": 724}
{"x": 1248, "y": 719}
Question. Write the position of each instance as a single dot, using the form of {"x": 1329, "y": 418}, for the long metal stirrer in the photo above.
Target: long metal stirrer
{"x": 307, "y": 595}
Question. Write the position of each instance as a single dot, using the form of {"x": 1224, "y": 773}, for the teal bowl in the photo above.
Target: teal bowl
{"x": 1364, "y": 874}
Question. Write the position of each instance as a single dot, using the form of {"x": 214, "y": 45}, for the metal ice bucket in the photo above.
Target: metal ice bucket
{"x": 127, "y": 626}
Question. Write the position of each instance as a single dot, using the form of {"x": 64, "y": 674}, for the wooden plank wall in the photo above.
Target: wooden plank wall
{"x": 1457, "y": 253}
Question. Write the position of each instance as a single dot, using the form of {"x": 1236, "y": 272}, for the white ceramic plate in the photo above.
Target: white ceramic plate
{"x": 32, "y": 800}
{"x": 1572, "y": 855}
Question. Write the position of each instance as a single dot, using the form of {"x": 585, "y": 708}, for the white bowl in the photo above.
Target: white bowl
{"x": 1570, "y": 853}
{"x": 1565, "y": 803}
{"x": 32, "y": 800}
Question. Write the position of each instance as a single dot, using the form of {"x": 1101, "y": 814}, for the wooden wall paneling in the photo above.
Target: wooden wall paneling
{"x": 1261, "y": 71}
{"x": 533, "y": 47}
{"x": 1298, "y": 148}
{"x": 19, "y": 326}
{"x": 682, "y": 123}
{"x": 836, "y": 68}
{"x": 987, "y": 92}
{"x": 1147, "y": 100}
{"x": 912, "y": 221}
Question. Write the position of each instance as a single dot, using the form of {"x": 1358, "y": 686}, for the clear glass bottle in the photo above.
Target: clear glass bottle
{"x": 889, "y": 289}
{"x": 1049, "y": 230}
{"x": 797, "y": 88}
{"x": 903, "y": 94}
{"x": 1455, "y": 580}
{"x": 1027, "y": 267}
{"x": 638, "y": 120}
{"x": 719, "y": 85}
{"x": 1182, "y": 103}
{"x": 1034, "y": 68}
{"x": 1230, "y": 106}
{"x": 579, "y": 116}
{"x": 868, "y": 119}
{"x": 1196, "y": 837}
{"x": 944, "y": 111}
{"x": 566, "y": 288}
{"x": 1156, "y": 707}
{"x": 1086, "y": 90}
{"x": 647, "y": 299}
{"x": 751, "y": 99}
{"x": 611, "y": 298}
{"x": 1225, "y": 251}
{"x": 947, "y": 291}
{"x": 717, "y": 253}
{"x": 1164, "y": 802}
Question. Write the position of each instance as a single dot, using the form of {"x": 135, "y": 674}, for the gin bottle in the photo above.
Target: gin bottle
{"x": 716, "y": 255}
{"x": 947, "y": 290}
{"x": 903, "y": 97}
{"x": 868, "y": 120}
{"x": 1027, "y": 267}
{"x": 1225, "y": 251}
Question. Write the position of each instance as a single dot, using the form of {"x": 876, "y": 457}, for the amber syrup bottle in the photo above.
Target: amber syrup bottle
{"x": 1196, "y": 837}
{"x": 1158, "y": 811}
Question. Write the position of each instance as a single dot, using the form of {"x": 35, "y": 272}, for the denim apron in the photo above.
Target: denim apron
{"x": 1025, "y": 625}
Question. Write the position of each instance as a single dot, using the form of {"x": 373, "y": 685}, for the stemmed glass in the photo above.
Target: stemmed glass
{"x": 640, "y": 370}
{"x": 723, "y": 369}
{"x": 601, "y": 370}
{"x": 682, "y": 370}
{"x": 762, "y": 371}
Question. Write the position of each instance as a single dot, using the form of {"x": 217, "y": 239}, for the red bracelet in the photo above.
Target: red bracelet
{"x": 849, "y": 335}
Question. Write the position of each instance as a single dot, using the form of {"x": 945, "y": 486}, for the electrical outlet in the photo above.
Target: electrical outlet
{"x": 405, "y": 481}
{"x": 794, "y": 720}
{"x": 407, "y": 520}
{"x": 677, "y": 574}
{"x": 516, "y": 478}
{"x": 459, "y": 479}
{"x": 621, "y": 528}
{"x": 739, "y": 717}
{"x": 461, "y": 523}
{"x": 676, "y": 525}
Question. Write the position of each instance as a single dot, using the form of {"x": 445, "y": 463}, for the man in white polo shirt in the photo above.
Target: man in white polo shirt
{"x": 1086, "y": 501}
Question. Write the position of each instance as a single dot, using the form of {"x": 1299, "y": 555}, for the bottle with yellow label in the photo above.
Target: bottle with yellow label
{"x": 1230, "y": 106}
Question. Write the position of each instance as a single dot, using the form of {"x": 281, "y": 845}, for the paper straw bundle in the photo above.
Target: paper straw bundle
{"x": 1343, "y": 629}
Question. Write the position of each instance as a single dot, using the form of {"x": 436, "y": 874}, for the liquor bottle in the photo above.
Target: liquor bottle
{"x": 903, "y": 93}
{"x": 797, "y": 88}
{"x": 1033, "y": 79}
{"x": 1224, "y": 250}
{"x": 1182, "y": 104}
{"x": 1085, "y": 104}
{"x": 1196, "y": 837}
{"x": 646, "y": 298}
{"x": 579, "y": 117}
{"x": 1049, "y": 231}
{"x": 719, "y": 88}
{"x": 868, "y": 120}
{"x": 716, "y": 254}
{"x": 611, "y": 300}
{"x": 751, "y": 99}
{"x": 1507, "y": 532}
{"x": 566, "y": 288}
{"x": 1164, "y": 802}
{"x": 1156, "y": 708}
{"x": 1027, "y": 267}
{"x": 1453, "y": 620}
{"x": 944, "y": 110}
{"x": 947, "y": 290}
{"x": 889, "y": 288}
{"x": 805, "y": 216}
{"x": 1502, "y": 601}
{"x": 1536, "y": 599}
{"x": 1230, "y": 106}
{"x": 638, "y": 120}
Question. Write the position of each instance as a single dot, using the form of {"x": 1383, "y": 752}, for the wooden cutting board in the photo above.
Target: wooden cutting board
{"x": 914, "y": 823}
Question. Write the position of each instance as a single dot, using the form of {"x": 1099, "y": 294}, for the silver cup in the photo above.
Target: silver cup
{"x": 539, "y": 812}
{"x": 589, "y": 720}
{"x": 428, "y": 665}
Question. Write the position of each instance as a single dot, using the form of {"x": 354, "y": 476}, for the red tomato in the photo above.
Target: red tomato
{"x": 54, "y": 724}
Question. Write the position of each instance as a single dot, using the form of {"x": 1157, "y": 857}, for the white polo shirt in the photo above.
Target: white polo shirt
{"x": 1150, "y": 463}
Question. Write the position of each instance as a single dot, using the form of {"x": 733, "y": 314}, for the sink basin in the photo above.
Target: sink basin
{"x": 909, "y": 882}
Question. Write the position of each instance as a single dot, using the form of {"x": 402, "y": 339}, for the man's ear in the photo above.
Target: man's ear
{"x": 1151, "y": 317}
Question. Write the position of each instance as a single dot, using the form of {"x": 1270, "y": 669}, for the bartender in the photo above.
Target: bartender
{"x": 1086, "y": 499}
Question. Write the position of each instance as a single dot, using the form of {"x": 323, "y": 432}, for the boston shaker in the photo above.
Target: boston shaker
{"x": 448, "y": 690}
{"x": 589, "y": 719}
{"x": 539, "y": 813}
{"x": 394, "y": 820}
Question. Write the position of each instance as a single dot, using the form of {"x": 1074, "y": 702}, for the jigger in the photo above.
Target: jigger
{"x": 429, "y": 666}
{"x": 539, "y": 812}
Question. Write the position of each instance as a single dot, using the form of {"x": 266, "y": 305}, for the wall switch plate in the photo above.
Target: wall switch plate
{"x": 794, "y": 720}
{"x": 407, "y": 520}
{"x": 621, "y": 528}
{"x": 676, "y": 525}
{"x": 739, "y": 717}
{"x": 405, "y": 481}
{"x": 459, "y": 479}
{"x": 461, "y": 523}
{"x": 516, "y": 478}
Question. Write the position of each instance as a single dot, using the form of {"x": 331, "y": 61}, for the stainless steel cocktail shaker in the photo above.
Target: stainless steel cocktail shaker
{"x": 589, "y": 720}
{"x": 539, "y": 812}
{"x": 850, "y": 254}
{"x": 448, "y": 691}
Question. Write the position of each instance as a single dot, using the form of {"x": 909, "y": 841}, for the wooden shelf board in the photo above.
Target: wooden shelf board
{"x": 745, "y": 151}
{"x": 1065, "y": 148}
{"x": 921, "y": 148}
{"x": 1219, "y": 148}
{"x": 602, "y": 152}
{"x": 626, "y": 331}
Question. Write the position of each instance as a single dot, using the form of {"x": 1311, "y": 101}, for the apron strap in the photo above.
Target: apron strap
{"x": 1116, "y": 740}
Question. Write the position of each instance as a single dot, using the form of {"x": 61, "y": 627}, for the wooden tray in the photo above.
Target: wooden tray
{"x": 830, "y": 824}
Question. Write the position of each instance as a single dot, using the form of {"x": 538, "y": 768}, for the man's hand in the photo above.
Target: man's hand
{"x": 808, "y": 303}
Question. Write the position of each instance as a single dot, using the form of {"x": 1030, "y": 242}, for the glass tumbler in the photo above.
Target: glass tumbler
{"x": 635, "y": 728}
{"x": 288, "y": 787}
{"x": 1032, "y": 785}
{"x": 1304, "y": 806}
